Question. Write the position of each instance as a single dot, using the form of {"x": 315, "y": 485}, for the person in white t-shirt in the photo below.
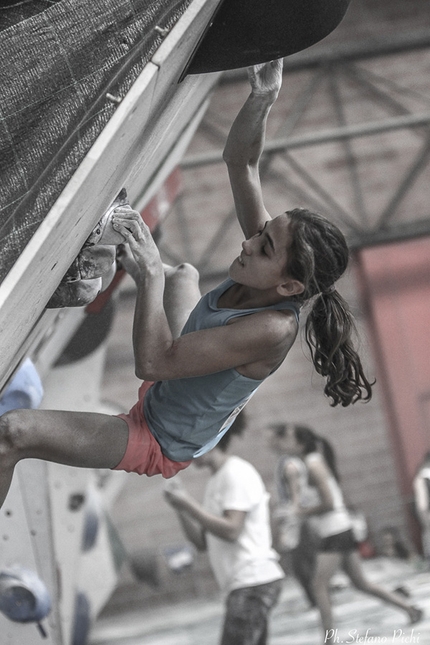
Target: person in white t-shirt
{"x": 421, "y": 487}
{"x": 233, "y": 525}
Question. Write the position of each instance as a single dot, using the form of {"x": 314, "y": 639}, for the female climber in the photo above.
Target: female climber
{"x": 197, "y": 380}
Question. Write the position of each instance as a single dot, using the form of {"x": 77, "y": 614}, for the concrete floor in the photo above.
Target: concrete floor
{"x": 359, "y": 618}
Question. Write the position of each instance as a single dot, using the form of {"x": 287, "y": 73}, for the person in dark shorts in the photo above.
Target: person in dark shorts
{"x": 332, "y": 522}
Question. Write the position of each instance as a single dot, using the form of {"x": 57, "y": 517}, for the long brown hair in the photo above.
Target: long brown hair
{"x": 318, "y": 256}
{"x": 312, "y": 442}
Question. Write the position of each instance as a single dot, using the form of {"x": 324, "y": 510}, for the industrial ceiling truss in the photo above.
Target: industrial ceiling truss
{"x": 353, "y": 143}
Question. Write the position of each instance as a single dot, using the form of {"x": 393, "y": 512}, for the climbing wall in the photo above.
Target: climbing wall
{"x": 55, "y": 523}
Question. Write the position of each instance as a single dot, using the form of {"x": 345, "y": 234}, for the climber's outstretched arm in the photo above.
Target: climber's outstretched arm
{"x": 245, "y": 144}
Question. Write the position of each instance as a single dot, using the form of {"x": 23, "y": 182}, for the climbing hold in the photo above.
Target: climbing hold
{"x": 75, "y": 294}
{"x": 82, "y": 620}
{"x": 24, "y": 391}
{"x": 162, "y": 30}
{"x": 24, "y": 598}
{"x": 246, "y": 32}
{"x": 113, "y": 99}
{"x": 103, "y": 232}
{"x": 92, "y": 262}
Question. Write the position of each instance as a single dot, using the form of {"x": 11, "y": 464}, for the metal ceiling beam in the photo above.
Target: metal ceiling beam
{"x": 409, "y": 178}
{"x": 396, "y": 233}
{"x": 324, "y": 61}
{"x": 324, "y": 136}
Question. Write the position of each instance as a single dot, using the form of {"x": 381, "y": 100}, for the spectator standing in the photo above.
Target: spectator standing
{"x": 233, "y": 524}
{"x": 421, "y": 485}
{"x": 294, "y": 536}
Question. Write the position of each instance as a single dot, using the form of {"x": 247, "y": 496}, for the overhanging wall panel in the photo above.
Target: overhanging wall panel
{"x": 127, "y": 141}
{"x": 57, "y": 69}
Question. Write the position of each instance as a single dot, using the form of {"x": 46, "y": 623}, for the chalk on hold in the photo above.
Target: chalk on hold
{"x": 75, "y": 294}
{"x": 103, "y": 232}
{"x": 95, "y": 266}
{"x": 92, "y": 262}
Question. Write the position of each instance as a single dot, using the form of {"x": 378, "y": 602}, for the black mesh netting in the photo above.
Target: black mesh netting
{"x": 58, "y": 60}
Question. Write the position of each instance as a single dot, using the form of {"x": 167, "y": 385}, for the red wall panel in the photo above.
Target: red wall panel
{"x": 395, "y": 281}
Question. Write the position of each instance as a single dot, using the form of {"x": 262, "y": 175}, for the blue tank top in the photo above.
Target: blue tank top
{"x": 189, "y": 416}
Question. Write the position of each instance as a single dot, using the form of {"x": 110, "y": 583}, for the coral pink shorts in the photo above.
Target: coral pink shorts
{"x": 143, "y": 454}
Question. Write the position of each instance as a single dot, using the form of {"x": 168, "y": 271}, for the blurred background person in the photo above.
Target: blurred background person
{"x": 337, "y": 547}
{"x": 233, "y": 524}
{"x": 392, "y": 545}
{"x": 421, "y": 486}
{"x": 294, "y": 538}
